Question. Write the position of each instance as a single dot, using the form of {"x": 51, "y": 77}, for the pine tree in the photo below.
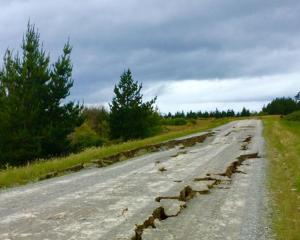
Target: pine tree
{"x": 34, "y": 122}
{"x": 282, "y": 106}
{"x": 131, "y": 117}
{"x": 245, "y": 112}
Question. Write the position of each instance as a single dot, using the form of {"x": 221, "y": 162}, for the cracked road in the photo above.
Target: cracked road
{"x": 212, "y": 190}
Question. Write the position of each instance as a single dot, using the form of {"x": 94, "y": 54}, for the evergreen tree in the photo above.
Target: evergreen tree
{"x": 206, "y": 114}
{"x": 245, "y": 112}
{"x": 34, "y": 122}
{"x": 230, "y": 113}
{"x": 131, "y": 117}
{"x": 281, "y": 106}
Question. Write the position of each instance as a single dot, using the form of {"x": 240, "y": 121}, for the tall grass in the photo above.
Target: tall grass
{"x": 32, "y": 172}
{"x": 283, "y": 149}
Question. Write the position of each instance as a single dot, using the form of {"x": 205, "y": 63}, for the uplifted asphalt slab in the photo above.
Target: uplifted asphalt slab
{"x": 212, "y": 190}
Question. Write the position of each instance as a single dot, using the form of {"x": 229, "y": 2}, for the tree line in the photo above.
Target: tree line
{"x": 212, "y": 114}
{"x": 282, "y": 106}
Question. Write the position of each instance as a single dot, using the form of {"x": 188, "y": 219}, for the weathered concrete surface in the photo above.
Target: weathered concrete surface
{"x": 108, "y": 203}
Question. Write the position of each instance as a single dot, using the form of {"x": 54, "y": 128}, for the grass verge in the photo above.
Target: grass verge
{"x": 32, "y": 172}
{"x": 283, "y": 149}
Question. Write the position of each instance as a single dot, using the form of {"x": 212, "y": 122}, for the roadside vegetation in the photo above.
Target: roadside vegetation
{"x": 294, "y": 116}
{"x": 283, "y": 150}
{"x": 14, "y": 176}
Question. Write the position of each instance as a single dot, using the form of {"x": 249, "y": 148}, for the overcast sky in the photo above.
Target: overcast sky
{"x": 192, "y": 54}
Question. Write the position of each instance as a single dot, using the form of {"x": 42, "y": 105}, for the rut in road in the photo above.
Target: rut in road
{"x": 188, "y": 193}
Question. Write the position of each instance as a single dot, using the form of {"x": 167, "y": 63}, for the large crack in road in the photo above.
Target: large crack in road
{"x": 190, "y": 189}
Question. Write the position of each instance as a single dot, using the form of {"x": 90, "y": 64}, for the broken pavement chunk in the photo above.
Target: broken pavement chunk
{"x": 172, "y": 207}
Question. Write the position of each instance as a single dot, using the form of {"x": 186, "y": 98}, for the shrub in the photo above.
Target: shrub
{"x": 174, "y": 121}
{"x": 192, "y": 121}
{"x": 294, "y": 116}
{"x": 97, "y": 118}
{"x": 84, "y": 137}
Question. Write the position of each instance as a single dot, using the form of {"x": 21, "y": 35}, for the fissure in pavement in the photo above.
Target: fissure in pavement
{"x": 188, "y": 193}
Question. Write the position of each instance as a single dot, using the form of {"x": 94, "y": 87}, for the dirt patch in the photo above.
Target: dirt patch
{"x": 248, "y": 139}
{"x": 162, "y": 169}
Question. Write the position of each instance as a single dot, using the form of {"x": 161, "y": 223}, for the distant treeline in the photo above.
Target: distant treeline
{"x": 212, "y": 114}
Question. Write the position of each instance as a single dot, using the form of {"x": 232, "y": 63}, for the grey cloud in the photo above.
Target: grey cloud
{"x": 160, "y": 40}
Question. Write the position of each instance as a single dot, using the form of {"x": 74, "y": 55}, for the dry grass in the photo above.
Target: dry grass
{"x": 283, "y": 149}
{"x": 31, "y": 173}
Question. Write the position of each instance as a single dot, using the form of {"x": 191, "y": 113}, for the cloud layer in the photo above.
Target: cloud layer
{"x": 167, "y": 42}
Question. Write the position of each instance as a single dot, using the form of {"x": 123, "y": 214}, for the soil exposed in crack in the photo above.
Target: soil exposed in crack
{"x": 75, "y": 168}
{"x": 188, "y": 193}
{"x": 158, "y": 213}
{"x": 186, "y": 142}
{"x": 246, "y": 142}
{"x": 227, "y": 134}
{"x": 233, "y": 167}
{"x": 244, "y": 147}
{"x": 162, "y": 169}
{"x": 248, "y": 139}
{"x": 103, "y": 162}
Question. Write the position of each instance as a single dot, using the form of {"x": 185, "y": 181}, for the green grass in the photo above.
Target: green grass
{"x": 283, "y": 149}
{"x": 294, "y": 116}
{"x": 32, "y": 172}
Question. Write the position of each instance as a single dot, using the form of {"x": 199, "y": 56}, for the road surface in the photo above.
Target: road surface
{"x": 212, "y": 190}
